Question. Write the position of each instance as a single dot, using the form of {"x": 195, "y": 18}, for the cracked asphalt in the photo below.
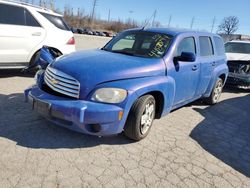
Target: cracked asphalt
{"x": 194, "y": 146}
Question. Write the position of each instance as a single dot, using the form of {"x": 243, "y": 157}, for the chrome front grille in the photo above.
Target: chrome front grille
{"x": 62, "y": 83}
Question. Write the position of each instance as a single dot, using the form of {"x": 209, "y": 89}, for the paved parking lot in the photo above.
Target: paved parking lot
{"x": 194, "y": 146}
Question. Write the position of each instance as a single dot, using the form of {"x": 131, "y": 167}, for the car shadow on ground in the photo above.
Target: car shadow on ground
{"x": 225, "y": 132}
{"x": 25, "y": 127}
{"x": 8, "y": 73}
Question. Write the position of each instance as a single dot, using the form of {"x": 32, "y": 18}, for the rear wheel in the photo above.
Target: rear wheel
{"x": 140, "y": 118}
{"x": 216, "y": 93}
{"x": 31, "y": 68}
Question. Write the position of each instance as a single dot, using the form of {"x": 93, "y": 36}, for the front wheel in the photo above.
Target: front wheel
{"x": 216, "y": 93}
{"x": 140, "y": 118}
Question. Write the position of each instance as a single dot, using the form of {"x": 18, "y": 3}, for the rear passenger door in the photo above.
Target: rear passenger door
{"x": 20, "y": 33}
{"x": 207, "y": 60}
{"x": 186, "y": 74}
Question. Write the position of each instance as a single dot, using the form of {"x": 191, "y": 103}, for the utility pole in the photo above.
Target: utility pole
{"x": 212, "y": 29}
{"x": 169, "y": 21}
{"x": 93, "y": 10}
{"x": 109, "y": 16}
{"x": 192, "y": 23}
{"x": 154, "y": 16}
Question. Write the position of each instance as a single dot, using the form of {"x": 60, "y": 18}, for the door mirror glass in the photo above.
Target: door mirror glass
{"x": 185, "y": 57}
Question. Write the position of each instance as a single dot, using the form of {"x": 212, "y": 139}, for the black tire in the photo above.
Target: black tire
{"x": 33, "y": 69}
{"x": 216, "y": 93}
{"x": 133, "y": 128}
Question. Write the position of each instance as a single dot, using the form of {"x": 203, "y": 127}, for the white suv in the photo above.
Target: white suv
{"x": 25, "y": 28}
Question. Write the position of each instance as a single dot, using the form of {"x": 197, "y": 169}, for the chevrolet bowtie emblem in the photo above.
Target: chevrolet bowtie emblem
{"x": 54, "y": 81}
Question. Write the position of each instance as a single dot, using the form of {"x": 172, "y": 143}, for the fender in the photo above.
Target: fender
{"x": 47, "y": 56}
{"x": 138, "y": 87}
{"x": 218, "y": 71}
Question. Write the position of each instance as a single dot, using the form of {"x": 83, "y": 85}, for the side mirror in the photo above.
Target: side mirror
{"x": 185, "y": 57}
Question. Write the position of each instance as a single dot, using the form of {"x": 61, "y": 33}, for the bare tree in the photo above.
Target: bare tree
{"x": 229, "y": 25}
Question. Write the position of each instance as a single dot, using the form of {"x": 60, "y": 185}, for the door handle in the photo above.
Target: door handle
{"x": 36, "y": 34}
{"x": 213, "y": 64}
{"x": 195, "y": 67}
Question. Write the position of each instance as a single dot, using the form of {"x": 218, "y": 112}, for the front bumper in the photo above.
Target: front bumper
{"x": 238, "y": 79}
{"x": 78, "y": 115}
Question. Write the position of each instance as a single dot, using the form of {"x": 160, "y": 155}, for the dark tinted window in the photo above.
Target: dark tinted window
{"x": 186, "y": 45}
{"x": 13, "y": 15}
{"x": 206, "y": 47}
{"x": 56, "y": 21}
{"x": 237, "y": 47}
{"x": 30, "y": 20}
{"x": 219, "y": 45}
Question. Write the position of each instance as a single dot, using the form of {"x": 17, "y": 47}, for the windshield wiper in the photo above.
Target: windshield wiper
{"x": 123, "y": 52}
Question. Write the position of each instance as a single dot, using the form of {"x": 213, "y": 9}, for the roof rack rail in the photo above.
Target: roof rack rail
{"x": 28, "y": 4}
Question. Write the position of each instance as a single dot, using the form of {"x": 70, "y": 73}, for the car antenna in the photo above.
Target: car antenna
{"x": 147, "y": 21}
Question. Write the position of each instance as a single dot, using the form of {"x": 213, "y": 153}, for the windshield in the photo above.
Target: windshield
{"x": 237, "y": 47}
{"x": 140, "y": 43}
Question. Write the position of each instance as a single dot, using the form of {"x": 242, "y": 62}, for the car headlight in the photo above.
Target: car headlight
{"x": 109, "y": 95}
{"x": 244, "y": 69}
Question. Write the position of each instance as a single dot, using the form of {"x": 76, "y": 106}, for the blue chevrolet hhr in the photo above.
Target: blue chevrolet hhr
{"x": 140, "y": 75}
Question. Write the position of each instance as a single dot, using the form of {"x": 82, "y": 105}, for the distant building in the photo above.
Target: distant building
{"x": 227, "y": 38}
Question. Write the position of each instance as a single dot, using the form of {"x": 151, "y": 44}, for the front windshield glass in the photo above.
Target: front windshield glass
{"x": 237, "y": 47}
{"x": 140, "y": 43}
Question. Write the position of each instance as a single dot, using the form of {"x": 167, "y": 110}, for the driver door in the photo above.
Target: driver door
{"x": 185, "y": 74}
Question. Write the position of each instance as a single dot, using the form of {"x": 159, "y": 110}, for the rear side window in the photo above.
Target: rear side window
{"x": 219, "y": 46}
{"x": 206, "y": 47}
{"x": 30, "y": 20}
{"x": 12, "y": 15}
{"x": 186, "y": 45}
{"x": 56, "y": 21}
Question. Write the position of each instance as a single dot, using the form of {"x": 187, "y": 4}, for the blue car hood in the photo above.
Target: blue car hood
{"x": 94, "y": 67}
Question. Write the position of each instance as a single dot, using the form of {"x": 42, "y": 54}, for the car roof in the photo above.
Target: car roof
{"x": 30, "y": 6}
{"x": 239, "y": 41}
{"x": 174, "y": 31}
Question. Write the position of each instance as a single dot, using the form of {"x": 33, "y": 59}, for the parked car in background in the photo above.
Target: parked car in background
{"x": 80, "y": 31}
{"x": 138, "y": 76}
{"x": 96, "y": 33}
{"x": 238, "y": 56}
{"x": 25, "y": 28}
{"x": 88, "y": 31}
{"x": 74, "y": 30}
{"x": 102, "y": 34}
{"x": 108, "y": 34}
{"x": 99, "y": 33}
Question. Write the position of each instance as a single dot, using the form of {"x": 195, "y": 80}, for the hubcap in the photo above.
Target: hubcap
{"x": 217, "y": 91}
{"x": 147, "y": 117}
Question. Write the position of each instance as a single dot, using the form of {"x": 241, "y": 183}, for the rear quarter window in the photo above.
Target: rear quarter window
{"x": 56, "y": 21}
{"x": 219, "y": 46}
{"x": 206, "y": 47}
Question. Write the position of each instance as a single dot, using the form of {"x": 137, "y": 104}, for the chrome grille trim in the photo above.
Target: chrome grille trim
{"x": 66, "y": 84}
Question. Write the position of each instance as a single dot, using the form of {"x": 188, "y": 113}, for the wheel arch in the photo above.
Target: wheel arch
{"x": 160, "y": 102}
{"x": 223, "y": 77}
{"x": 34, "y": 54}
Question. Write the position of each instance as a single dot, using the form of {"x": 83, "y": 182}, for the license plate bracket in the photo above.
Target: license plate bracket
{"x": 42, "y": 107}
